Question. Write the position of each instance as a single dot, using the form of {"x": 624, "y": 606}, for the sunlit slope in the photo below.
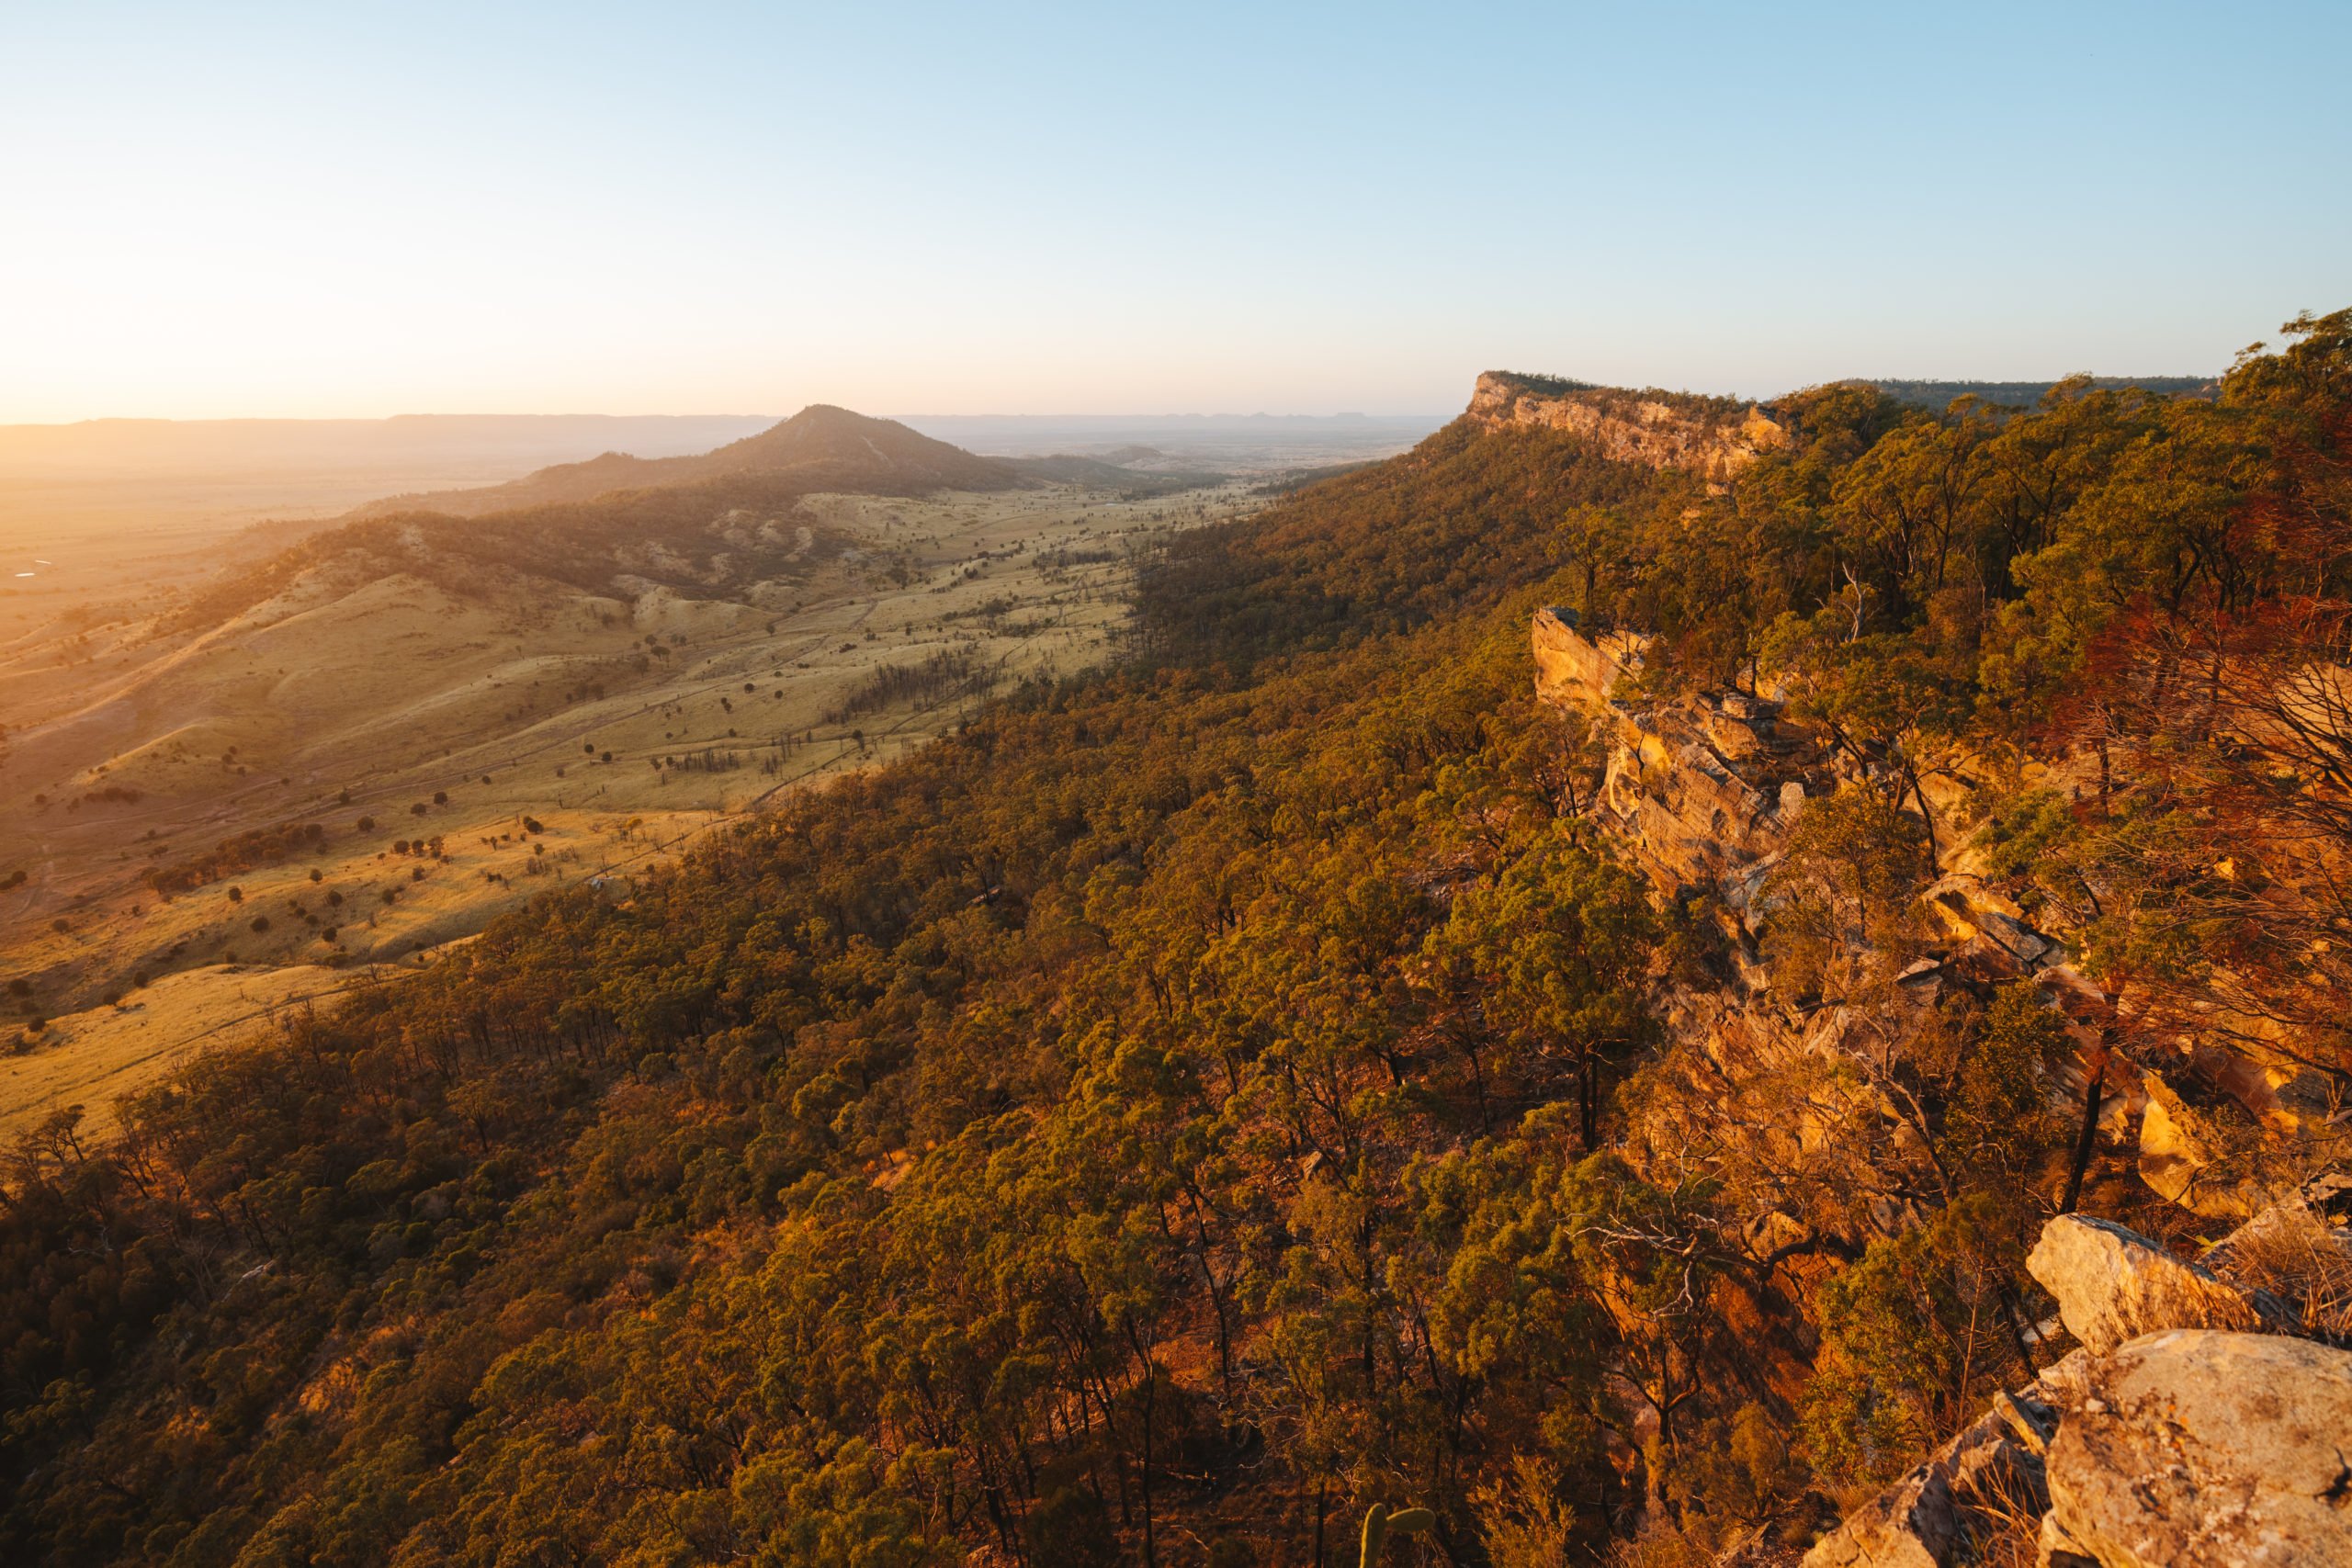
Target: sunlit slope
{"x": 108, "y": 1051}
{"x": 819, "y": 448}
{"x": 663, "y": 658}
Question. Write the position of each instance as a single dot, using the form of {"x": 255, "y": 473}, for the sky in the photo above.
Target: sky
{"x": 356, "y": 209}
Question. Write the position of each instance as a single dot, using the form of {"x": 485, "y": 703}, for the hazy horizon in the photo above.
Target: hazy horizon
{"x": 915, "y": 418}
{"x": 1048, "y": 415}
{"x": 288, "y": 212}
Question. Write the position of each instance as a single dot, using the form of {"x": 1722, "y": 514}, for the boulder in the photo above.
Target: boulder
{"x": 1574, "y": 670}
{"x": 2114, "y": 1284}
{"x": 2204, "y": 1446}
{"x": 1912, "y": 1524}
{"x": 1929, "y": 1518}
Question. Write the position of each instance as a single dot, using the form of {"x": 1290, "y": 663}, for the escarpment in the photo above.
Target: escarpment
{"x": 1714, "y": 437}
{"x": 2200, "y": 1418}
{"x": 1702, "y": 790}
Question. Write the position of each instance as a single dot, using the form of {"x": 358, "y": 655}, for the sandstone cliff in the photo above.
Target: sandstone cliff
{"x": 1714, "y": 437}
{"x": 2224, "y": 1371}
{"x": 1701, "y": 791}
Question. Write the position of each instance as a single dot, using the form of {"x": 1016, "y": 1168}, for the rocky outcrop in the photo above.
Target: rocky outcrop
{"x": 2171, "y": 1437}
{"x": 1573, "y": 669}
{"x": 1702, "y": 789}
{"x": 2198, "y": 1446}
{"x": 1713, "y": 438}
{"x": 1701, "y": 792}
{"x": 1929, "y": 1517}
{"x": 2113, "y": 1284}
{"x": 2191, "y": 1448}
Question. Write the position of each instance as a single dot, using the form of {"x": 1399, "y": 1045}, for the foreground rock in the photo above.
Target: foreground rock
{"x": 2198, "y": 1447}
{"x": 2114, "y": 1284}
{"x": 1937, "y": 1514}
{"x": 2174, "y": 1436}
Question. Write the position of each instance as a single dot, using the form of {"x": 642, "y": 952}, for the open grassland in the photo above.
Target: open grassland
{"x": 355, "y": 774}
{"x": 89, "y": 1057}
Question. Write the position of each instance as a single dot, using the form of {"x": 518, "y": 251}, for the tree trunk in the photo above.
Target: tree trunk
{"x": 1151, "y": 1391}
{"x": 2094, "y": 1095}
{"x": 1588, "y": 1101}
{"x": 1928, "y": 816}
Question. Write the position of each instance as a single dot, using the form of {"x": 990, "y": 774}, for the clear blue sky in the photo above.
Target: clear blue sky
{"x": 344, "y": 209}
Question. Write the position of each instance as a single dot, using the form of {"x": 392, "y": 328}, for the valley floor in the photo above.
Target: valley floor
{"x": 461, "y": 755}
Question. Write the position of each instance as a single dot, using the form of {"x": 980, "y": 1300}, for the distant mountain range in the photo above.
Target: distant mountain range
{"x": 436, "y": 597}
{"x": 1260, "y": 445}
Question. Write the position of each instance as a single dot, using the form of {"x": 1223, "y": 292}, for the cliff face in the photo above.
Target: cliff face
{"x": 1714, "y": 437}
{"x": 1699, "y": 792}
{"x": 1703, "y": 793}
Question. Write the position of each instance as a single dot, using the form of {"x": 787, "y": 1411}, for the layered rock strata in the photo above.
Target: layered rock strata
{"x": 1713, "y": 438}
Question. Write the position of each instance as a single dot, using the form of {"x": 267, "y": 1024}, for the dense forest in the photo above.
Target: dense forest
{"x": 1201, "y": 1100}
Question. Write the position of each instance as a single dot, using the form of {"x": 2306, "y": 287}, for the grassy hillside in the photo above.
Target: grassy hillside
{"x": 1192, "y": 1103}
{"x": 819, "y": 448}
{"x": 628, "y": 671}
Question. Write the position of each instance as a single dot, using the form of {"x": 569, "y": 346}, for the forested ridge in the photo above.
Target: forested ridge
{"x": 1199, "y": 1102}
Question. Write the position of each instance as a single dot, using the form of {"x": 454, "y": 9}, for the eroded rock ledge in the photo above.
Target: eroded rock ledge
{"x": 1701, "y": 792}
{"x": 2206, "y": 1416}
{"x": 1714, "y": 437}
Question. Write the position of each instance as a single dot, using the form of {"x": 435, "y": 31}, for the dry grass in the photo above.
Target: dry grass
{"x": 92, "y": 1058}
{"x": 2004, "y": 1519}
{"x": 345, "y": 702}
{"x": 2294, "y": 1254}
